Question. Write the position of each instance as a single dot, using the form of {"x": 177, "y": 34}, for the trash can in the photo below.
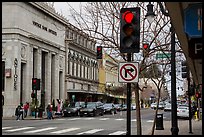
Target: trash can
{"x": 159, "y": 122}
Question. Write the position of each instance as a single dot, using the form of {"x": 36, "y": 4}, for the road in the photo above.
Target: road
{"x": 99, "y": 125}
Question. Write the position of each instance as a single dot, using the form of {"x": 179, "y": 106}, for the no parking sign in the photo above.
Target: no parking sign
{"x": 128, "y": 72}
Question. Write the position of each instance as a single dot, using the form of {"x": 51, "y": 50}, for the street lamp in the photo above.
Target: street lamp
{"x": 150, "y": 14}
{"x": 174, "y": 128}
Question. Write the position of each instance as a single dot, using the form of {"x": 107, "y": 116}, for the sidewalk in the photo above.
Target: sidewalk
{"x": 28, "y": 118}
{"x": 183, "y": 126}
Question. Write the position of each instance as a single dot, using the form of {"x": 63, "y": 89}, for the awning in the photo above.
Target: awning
{"x": 86, "y": 92}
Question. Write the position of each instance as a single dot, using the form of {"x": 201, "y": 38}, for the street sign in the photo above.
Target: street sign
{"x": 128, "y": 72}
{"x": 162, "y": 55}
{"x": 193, "y": 20}
{"x": 195, "y": 48}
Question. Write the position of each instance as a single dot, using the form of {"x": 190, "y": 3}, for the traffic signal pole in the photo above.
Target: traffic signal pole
{"x": 174, "y": 122}
{"x": 128, "y": 101}
{"x": 189, "y": 104}
{"x": 35, "y": 103}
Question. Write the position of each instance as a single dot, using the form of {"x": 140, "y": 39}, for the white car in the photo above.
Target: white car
{"x": 167, "y": 107}
{"x": 183, "y": 111}
{"x": 161, "y": 105}
{"x": 133, "y": 106}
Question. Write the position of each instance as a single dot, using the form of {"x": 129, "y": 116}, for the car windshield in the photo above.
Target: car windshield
{"x": 90, "y": 105}
{"x": 108, "y": 105}
{"x": 79, "y": 104}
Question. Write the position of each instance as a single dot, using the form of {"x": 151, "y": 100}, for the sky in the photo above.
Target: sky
{"x": 63, "y": 8}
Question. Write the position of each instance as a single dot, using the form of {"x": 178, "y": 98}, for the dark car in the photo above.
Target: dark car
{"x": 73, "y": 109}
{"x": 109, "y": 108}
{"x": 124, "y": 107}
{"x": 92, "y": 109}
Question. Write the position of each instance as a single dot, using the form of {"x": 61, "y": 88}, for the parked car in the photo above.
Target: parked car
{"x": 124, "y": 107}
{"x": 92, "y": 109}
{"x": 154, "y": 105}
{"x": 73, "y": 109}
{"x": 109, "y": 108}
{"x": 118, "y": 107}
{"x": 133, "y": 106}
{"x": 183, "y": 111}
{"x": 167, "y": 107}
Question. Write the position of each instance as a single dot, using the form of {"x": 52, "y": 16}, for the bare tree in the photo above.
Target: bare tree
{"x": 101, "y": 20}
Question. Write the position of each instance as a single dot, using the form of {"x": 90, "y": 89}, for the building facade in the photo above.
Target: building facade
{"x": 34, "y": 46}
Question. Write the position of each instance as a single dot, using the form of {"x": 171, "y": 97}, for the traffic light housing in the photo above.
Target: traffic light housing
{"x": 184, "y": 69}
{"x": 145, "y": 49}
{"x": 35, "y": 84}
{"x": 191, "y": 90}
{"x": 130, "y": 30}
{"x": 33, "y": 95}
{"x": 198, "y": 95}
{"x": 99, "y": 52}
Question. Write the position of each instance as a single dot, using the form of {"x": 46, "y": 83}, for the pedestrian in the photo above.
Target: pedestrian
{"x": 21, "y": 111}
{"x": 26, "y": 107}
{"x": 48, "y": 111}
{"x": 51, "y": 113}
{"x": 18, "y": 113}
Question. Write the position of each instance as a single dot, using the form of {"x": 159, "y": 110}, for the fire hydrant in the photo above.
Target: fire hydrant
{"x": 196, "y": 116}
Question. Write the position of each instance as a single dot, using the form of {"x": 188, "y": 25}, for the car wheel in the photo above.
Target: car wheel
{"x": 94, "y": 113}
{"x": 102, "y": 113}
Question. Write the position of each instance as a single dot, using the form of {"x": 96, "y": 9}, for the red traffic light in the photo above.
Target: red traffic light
{"x": 99, "y": 48}
{"x": 128, "y": 16}
{"x": 145, "y": 46}
{"x": 34, "y": 81}
{"x": 99, "y": 52}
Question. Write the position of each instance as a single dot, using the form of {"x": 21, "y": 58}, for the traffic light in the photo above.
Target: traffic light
{"x": 130, "y": 30}
{"x": 35, "y": 84}
{"x": 33, "y": 95}
{"x": 99, "y": 52}
{"x": 198, "y": 95}
{"x": 184, "y": 69}
{"x": 191, "y": 91}
{"x": 145, "y": 49}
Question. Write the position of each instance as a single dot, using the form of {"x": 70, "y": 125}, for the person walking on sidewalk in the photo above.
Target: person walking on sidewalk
{"x": 21, "y": 111}
{"x": 26, "y": 107}
{"x": 48, "y": 111}
{"x": 18, "y": 113}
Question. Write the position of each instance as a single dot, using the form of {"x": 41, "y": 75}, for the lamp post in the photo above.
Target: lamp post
{"x": 174, "y": 123}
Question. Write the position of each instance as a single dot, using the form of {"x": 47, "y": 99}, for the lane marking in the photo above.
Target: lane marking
{"x": 117, "y": 133}
{"x": 40, "y": 130}
{"x": 65, "y": 130}
{"x": 18, "y": 129}
{"x": 90, "y": 131}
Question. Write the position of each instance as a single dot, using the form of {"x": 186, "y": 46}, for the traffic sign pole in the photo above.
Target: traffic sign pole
{"x": 129, "y": 101}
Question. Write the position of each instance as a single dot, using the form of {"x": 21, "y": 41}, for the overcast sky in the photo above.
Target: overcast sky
{"x": 63, "y": 8}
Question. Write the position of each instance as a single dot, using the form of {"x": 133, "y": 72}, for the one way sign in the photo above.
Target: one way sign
{"x": 128, "y": 72}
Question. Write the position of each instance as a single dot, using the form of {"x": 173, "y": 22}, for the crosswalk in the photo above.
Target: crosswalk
{"x": 69, "y": 131}
{"x": 49, "y": 130}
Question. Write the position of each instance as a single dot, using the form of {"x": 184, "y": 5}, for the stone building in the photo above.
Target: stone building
{"x": 34, "y": 46}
